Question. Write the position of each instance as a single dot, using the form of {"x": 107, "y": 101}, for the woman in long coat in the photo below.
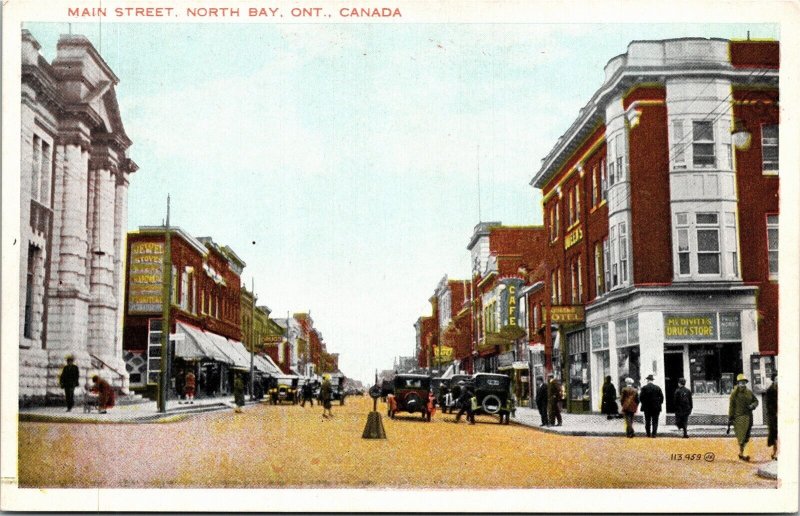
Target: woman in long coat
{"x": 608, "y": 405}
{"x": 740, "y": 413}
{"x": 238, "y": 393}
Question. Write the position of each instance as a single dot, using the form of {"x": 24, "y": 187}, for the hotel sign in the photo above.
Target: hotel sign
{"x": 145, "y": 277}
{"x": 573, "y": 237}
{"x": 701, "y": 326}
{"x": 567, "y": 314}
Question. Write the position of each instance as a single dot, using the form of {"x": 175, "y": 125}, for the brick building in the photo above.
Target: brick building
{"x": 205, "y": 309}
{"x": 73, "y": 209}
{"x": 662, "y": 224}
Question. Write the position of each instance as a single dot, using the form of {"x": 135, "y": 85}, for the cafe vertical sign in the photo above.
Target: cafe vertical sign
{"x": 145, "y": 277}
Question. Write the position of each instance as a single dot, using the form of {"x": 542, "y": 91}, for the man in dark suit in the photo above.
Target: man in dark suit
{"x": 683, "y": 406}
{"x": 69, "y": 380}
{"x": 651, "y": 397}
{"x": 541, "y": 400}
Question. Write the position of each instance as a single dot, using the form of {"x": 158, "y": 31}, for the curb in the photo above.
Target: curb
{"x": 172, "y": 416}
{"x": 770, "y": 471}
{"x": 605, "y": 433}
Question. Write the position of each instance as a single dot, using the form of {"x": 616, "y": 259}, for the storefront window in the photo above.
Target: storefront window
{"x": 713, "y": 367}
{"x": 628, "y": 364}
{"x": 579, "y": 376}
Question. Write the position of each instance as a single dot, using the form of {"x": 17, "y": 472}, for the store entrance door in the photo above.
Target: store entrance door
{"x": 673, "y": 370}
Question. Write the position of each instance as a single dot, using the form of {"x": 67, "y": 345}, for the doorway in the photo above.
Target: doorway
{"x": 673, "y": 370}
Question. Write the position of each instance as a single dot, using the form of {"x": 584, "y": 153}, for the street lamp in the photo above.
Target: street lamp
{"x": 740, "y": 135}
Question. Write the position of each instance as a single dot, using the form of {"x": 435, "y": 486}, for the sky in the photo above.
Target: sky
{"x": 348, "y": 165}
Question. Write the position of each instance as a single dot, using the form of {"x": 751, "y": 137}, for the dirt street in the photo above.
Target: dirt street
{"x": 289, "y": 446}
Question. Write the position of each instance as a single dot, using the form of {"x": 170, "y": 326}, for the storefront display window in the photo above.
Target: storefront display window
{"x": 628, "y": 364}
{"x": 578, "y": 347}
{"x": 713, "y": 367}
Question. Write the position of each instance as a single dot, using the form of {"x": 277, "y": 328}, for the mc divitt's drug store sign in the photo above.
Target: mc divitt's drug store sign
{"x": 705, "y": 326}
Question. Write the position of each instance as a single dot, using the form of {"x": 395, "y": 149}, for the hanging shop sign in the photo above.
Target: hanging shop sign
{"x": 701, "y": 326}
{"x": 567, "y": 314}
{"x": 509, "y": 300}
{"x": 145, "y": 277}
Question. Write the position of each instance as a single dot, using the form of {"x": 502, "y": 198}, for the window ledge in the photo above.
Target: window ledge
{"x": 771, "y": 173}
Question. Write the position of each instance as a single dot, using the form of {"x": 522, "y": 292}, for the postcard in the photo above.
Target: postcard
{"x": 404, "y": 256}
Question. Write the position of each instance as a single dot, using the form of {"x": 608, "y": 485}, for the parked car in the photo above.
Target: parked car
{"x": 284, "y": 389}
{"x": 492, "y": 391}
{"x": 453, "y": 391}
{"x": 387, "y": 387}
{"x": 410, "y": 395}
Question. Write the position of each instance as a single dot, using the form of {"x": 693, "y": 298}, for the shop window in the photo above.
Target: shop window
{"x": 769, "y": 148}
{"x": 703, "y": 144}
{"x": 628, "y": 364}
{"x": 772, "y": 245}
{"x": 713, "y": 367}
{"x": 708, "y": 243}
{"x": 599, "y": 337}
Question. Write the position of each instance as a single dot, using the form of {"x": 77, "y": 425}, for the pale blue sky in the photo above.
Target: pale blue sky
{"x": 349, "y": 153}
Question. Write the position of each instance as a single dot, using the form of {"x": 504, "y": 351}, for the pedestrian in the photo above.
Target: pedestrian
{"x": 326, "y": 393}
{"x": 507, "y": 410}
{"x": 608, "y": 403}
{"x": 69, "y": 379}
{"x": 541, "y": 400}
{"x": 740, "y": 414}
{"x": 771, "y": 405}
{"x": 307, "y": 394}
{"x": 180, "y": 385}
{"x": 683, "y": 406}
{"x": 431, "y": 404}
{"x": 629, "y": 398}
{"x": 651, "y": 398}
{"x": 555, "y": 396}
{"x": 189, "y": 386}
{"x": 238, "y": 393}
{"x": 464, "y": 403}
{"x": 105, "y": 394}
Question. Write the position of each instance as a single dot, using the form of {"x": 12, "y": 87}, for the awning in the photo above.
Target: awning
{"x": 278, "y": 370}
{"x": 198, "y": 345}
{"x": 265, "y": 366}
{"x": 450, "y": 371}
{"x": 294, "y": 371}
{"x": 225, "y": 347}
{"x": 238, "y": 347}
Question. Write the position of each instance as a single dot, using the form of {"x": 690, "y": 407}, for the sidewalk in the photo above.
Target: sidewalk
{"x": 598, "y": 425}
{"x": 145, "y": 411}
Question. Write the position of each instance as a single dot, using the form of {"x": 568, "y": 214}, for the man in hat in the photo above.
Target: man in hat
{"x": 68, "y": 380}
{"x": 629, "y": 398}
{"x": 541, "y": 400}
{"x": 651, "y": 398}
{"x": 683, "y": 406}
{"x": 554, "y": 398}
{"x": 740, "y": 414}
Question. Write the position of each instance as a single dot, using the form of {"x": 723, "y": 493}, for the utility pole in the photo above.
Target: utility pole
{"x": 252, "y": 340}
{"x": 166, "y": 300}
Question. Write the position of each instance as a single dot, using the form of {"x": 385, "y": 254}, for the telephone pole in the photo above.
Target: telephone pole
{"x": 166, "y": 300}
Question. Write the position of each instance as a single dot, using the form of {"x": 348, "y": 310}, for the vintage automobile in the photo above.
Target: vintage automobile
{"x": 410, "y": 395}
{"x": 447, "y": 399}
{"x": 284, "y": 389}
{"x": 492, "y": 392}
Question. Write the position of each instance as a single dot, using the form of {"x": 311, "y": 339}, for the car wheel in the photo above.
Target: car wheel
{"x": 491, "y": 404}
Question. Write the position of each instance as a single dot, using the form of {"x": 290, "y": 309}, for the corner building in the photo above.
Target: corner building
{"x": 661, "y": 207}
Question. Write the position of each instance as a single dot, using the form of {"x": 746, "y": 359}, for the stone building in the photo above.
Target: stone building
{"x": 73, "y": 208}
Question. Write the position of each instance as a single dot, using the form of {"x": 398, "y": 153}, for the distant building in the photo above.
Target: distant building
{"x": 73, "y": 207}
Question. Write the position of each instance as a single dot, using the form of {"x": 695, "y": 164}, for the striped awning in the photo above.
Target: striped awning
{"x": 197, "y": 345}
